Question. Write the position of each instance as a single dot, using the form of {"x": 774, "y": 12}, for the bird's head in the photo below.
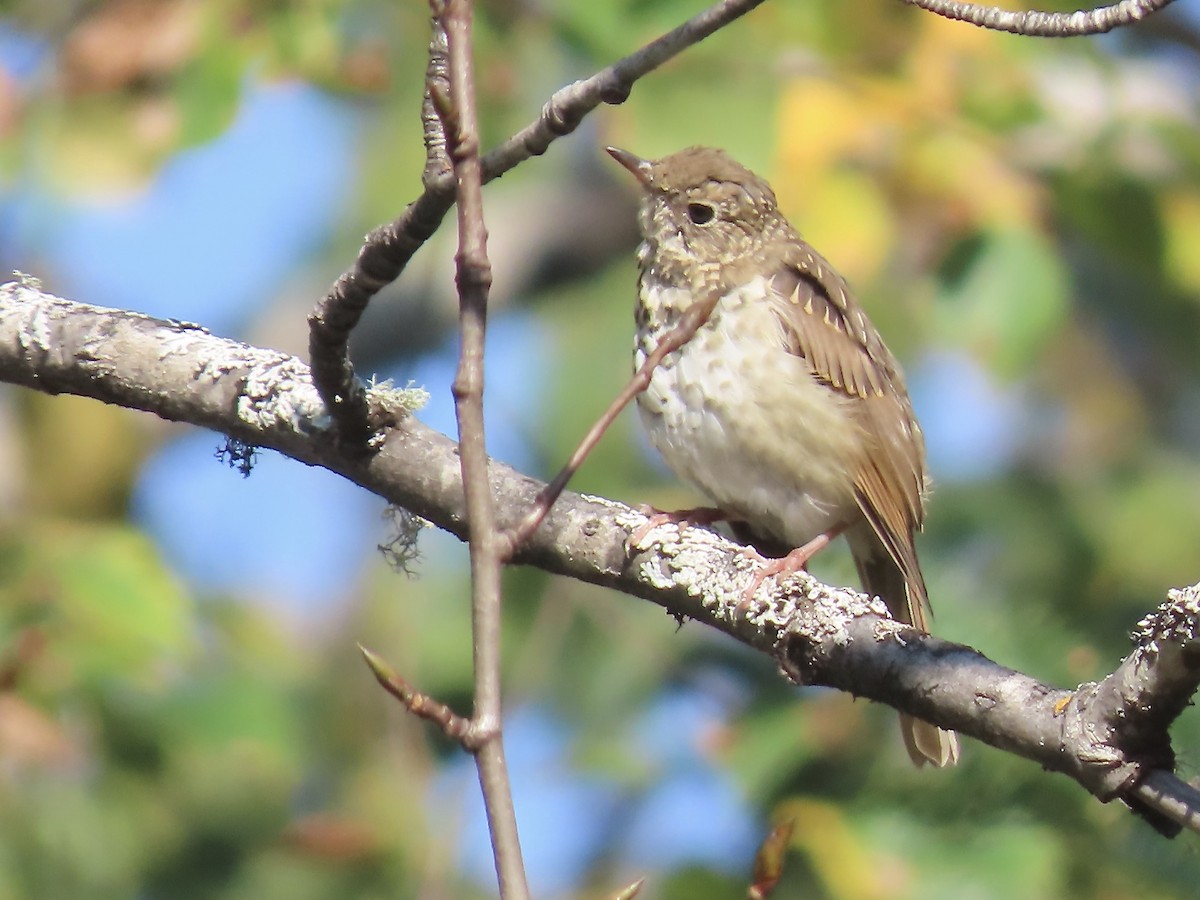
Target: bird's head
{"x": 701, "y": 207}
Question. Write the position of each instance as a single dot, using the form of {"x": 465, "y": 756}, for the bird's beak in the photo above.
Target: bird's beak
{"x": 642, "y": 169}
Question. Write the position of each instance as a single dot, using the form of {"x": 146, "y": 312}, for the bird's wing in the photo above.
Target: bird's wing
{"x": 825, "y": 326}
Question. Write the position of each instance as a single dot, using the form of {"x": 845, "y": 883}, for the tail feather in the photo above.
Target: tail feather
{"x": 905, "y": 597}
{"x": 927, "y": 743}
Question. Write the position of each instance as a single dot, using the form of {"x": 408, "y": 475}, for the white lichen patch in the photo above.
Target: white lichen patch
{"x": 623, "y": 515}
{"x": 188, "y": 342}
{"x": 25, "y": 280}
{"x": 25, "y": 308}
{"x": 700, "y": 561}
{"x": 694, "y": 563}
{"x": 36, "y": 332}
{"x": 888, "y": 629}
{"x": 408, "y": 399}
{"x": 278, "y": 392}
{"x": 830, "y": 613}
{"x": 1174, "y": 622}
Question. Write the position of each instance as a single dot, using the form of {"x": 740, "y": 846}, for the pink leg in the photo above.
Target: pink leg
{"x": 696, "y": 515}
{"x": 795, "y": 561}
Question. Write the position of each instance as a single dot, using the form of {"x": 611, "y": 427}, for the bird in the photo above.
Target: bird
{"x": 785, "y": 408}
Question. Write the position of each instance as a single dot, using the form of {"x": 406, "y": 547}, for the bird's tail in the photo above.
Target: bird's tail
{"x": 905, "y": 596}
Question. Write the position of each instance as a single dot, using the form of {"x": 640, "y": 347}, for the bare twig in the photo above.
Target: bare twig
{"x": 567, "y": 107}
{"x": 437, "y": 94}
{"x": 384, "y": 254}
{"x": 387, "y": 249}
{"x": 474, "y": 279}
{"x": 421, "y": 705}
{"x": 695, "y": 316}
{"x": 339, "y": 312}
{"x": 768, "y": 862}
{"x": 825, "y": 635}
{"x": 1032, "y": 23}
{"x": 630, "y": 891}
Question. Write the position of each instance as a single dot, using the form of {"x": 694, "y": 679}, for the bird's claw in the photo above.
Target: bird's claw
{"x": 796, "y": 561}
{"x": 694, "y": 516}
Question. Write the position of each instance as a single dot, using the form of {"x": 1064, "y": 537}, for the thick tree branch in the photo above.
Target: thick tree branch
{"x": 1111, "y": 737}
{"x": 387, "y": 249}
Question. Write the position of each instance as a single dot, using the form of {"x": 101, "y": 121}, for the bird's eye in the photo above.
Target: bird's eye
{"x": 700, "y": 213}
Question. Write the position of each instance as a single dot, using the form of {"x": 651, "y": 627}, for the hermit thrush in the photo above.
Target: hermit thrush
{"x": 785, "y": 408}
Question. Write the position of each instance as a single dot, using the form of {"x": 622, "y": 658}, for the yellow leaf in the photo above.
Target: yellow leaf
{"x": 1181, "y": 212}
{"x": 847, "y": 218}
{"x": 846, "y": 865}
{"x": 820, "y": 122}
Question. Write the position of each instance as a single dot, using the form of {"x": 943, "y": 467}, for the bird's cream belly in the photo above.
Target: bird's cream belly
{"x": 745, "y": 421}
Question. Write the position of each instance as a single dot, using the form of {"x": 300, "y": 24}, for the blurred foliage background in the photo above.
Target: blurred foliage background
{"x": 183, "y": 712}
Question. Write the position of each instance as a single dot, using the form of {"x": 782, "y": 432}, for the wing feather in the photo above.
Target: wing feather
{"x": 825, "y": 326}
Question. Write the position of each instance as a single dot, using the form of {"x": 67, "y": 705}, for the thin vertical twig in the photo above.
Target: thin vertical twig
{"x": 437, "y": 93}
{"x": 474, "y": 278}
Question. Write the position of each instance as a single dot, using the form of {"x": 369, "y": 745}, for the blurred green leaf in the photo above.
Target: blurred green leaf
{"x": 116, "y": 612}
{"x": 1005, "y": 298}
{"x": 207, "y": 91}
{"x": 998, "y": 859}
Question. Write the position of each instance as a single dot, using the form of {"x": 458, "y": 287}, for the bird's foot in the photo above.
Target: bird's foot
{"x": 696, "y": 515}
{"x": 796, "y": 561}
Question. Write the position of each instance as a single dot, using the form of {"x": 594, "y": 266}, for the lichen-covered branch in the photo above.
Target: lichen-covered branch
{"x": 1110, "y": 737}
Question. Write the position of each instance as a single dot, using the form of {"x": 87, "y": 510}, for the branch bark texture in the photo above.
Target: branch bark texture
{"x": 1110, "y": 737}
{"x": 1033, "y": 23}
